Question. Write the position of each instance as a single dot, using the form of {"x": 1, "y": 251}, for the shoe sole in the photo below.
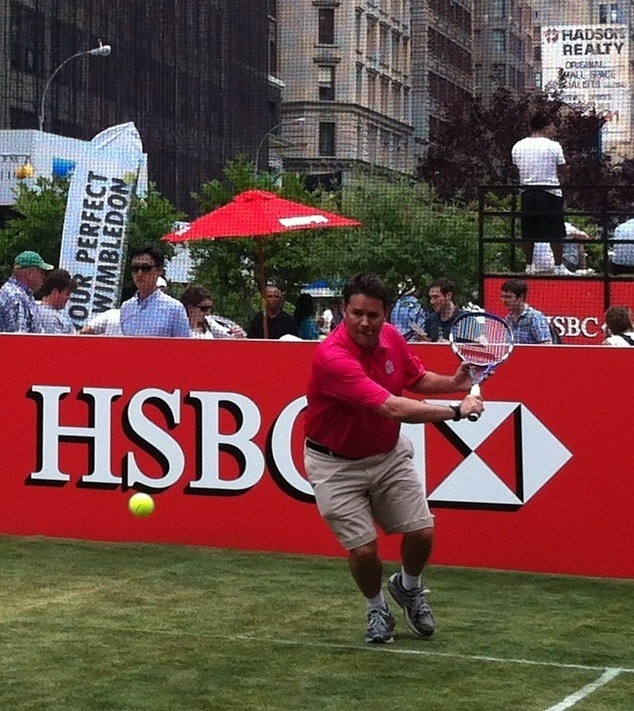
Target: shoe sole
{"x": 368, "y": 640}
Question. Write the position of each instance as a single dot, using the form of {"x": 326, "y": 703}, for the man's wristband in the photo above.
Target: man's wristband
{"x": 456, "y": 412}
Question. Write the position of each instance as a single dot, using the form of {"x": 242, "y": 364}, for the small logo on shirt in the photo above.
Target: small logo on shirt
{"x": 389, "y": 367}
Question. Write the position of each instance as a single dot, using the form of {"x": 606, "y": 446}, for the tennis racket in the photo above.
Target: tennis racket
{"x": 482, "y": 341}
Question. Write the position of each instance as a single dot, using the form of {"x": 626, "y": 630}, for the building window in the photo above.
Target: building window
{"x": 611, "y": 13}
{"x": 26, "y": 39}
{"x": 498, "y": 76}
{"x": 498, "y": 41}
{"x": 358, "y": 21}
{"x": 326, "y": 25}
{"x": 326, "y": 138}
{"x": 499, "y": 8}
{"x": 372, "y": 90}
{"x": 326, "y": 82}
{"x": 359, "y": 84}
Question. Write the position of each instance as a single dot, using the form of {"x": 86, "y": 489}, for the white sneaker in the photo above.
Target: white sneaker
{"x": 560, "y": 270}
{"x": 530, "y": 269}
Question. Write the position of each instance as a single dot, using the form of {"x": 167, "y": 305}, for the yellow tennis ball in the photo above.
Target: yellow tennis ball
{"x": 141, "y": 505}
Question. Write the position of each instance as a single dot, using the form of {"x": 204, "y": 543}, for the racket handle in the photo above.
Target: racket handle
{"x": 475, "y": 390}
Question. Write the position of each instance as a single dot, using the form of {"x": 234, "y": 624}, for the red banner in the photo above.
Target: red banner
{"x": 213, "y": 430}
{"x": 575, "y": 306}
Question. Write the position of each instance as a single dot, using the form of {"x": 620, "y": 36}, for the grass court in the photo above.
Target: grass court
{"x": 100, "y": 627}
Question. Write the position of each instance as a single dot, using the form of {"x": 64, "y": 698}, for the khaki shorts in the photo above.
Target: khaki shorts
{"x": 352, "y": 495}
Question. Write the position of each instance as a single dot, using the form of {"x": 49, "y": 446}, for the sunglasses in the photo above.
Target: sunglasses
{"x": 205, "y": 309}
{"x": 142, "y": 268}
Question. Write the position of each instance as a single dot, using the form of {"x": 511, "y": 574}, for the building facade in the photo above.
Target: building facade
{"x": 346, "y": 69}
{"x": 193, "y": 76}
{"x": 503, "y": 46}
{"x": 442, "y": 63}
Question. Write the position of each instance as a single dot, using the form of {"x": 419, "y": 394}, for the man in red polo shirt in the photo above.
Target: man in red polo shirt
{"x": 359, "y": 466}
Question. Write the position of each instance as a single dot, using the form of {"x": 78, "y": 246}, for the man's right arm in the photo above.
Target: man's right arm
{"x": 405, "y": 409}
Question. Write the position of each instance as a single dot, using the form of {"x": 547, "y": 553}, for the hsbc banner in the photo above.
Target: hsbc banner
{"x": 575, "y": 307}
{"x": 533, "y": 485}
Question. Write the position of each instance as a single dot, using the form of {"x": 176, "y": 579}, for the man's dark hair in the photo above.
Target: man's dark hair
{"x": 366, "y": 284}
{"x": 618, "y": 319}
{"x": 445, "y": 285}
{"x": 152, "y": 251}
{"x": 58, "y": 279}
{"x": 516, "y": 286}
{"x": 195, "y": 294}
{"x": 539, "y": 121}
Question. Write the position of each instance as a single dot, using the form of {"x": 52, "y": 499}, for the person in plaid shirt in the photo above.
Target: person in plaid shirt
{"x": 527, "y": 324}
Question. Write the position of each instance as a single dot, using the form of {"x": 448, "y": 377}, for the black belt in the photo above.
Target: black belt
{"x": 315, "y": 446}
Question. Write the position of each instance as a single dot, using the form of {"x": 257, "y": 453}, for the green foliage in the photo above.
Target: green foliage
{"x": 37, "y": 224}
{"x": 408, "y": 236}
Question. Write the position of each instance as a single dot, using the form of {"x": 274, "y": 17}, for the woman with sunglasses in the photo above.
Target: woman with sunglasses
{"x": 198, "y": 301}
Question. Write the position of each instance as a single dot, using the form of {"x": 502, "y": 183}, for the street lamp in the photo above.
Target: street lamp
{"x": 301, "y": 119}
{"x": 102, "y": 51}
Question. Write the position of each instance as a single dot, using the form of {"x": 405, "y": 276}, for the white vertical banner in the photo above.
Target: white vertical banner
{"x": 94, "y": 239}
{"x": 589, "y": 66}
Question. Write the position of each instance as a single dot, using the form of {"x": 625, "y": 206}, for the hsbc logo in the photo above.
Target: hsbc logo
{"x": 500, "y": 461}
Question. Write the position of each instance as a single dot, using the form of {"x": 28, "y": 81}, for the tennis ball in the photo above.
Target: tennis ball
{"x": 141, "y": 505}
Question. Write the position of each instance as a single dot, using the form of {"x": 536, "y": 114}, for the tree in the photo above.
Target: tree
{"x": 38, "y": 222}
{"x": 408, "y": 236}
{"x": 474, "y": 144}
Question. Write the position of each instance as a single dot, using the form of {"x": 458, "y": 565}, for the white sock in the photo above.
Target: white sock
{"x": 410, "y": 581}
{"x": 376, "y": 602}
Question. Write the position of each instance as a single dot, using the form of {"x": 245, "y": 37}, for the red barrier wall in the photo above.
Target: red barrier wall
{"x": 213, "y": 429}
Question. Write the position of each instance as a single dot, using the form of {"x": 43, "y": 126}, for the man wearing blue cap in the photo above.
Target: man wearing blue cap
{"x": 18, "y": 311}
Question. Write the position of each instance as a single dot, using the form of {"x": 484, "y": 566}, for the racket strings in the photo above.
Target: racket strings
{"x": 481, "y": 340}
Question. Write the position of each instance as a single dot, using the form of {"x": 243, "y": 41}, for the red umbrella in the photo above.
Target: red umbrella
{"x": 257, "y": 213}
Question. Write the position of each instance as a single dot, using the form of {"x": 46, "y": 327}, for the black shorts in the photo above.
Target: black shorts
{"x": 542, "y": 216}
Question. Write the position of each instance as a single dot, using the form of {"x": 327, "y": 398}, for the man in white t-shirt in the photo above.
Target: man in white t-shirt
{"x": 541, "y": 163}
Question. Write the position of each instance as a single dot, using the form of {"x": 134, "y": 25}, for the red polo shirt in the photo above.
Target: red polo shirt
{"x": 346, "y": 386}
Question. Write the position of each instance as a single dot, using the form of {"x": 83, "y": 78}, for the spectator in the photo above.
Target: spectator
{"x": 540, "y": 162}
{"x": 337, "y": 316}
{"x": 408, "y": 315}
{"x": 527, "y": 324}
{"x": 57, "y": 290}
{"x": 618, "y": 327}
{"x": 107, "y": 323}
{"x": 198, "y": 302}
{"x": 359, "y": 464}
{"x": 304, "y": 319}
{"x": 574, "y": 254}
{"x": 443, "y": 310}
{"x": 19, "y": 312}
{"x": 623, "y": 256}
{"x": 279, "y": 323}
{"x": 150, "y": 312}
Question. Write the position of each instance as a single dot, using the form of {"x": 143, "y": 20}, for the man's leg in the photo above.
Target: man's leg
{"x": 367, "y": 569}
{"x": 415, "y": 550}
{"x": 406, "y": 587}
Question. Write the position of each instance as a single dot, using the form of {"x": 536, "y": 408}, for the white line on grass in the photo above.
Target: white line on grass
{"x": 387, "y": 649}
{"x": 586, "y": 690}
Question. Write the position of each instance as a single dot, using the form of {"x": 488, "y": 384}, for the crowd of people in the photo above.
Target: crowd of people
{"x": 151, "y": 311}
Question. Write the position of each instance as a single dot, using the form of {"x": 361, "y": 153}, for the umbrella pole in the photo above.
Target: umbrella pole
{"x": 265, "y": 321}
